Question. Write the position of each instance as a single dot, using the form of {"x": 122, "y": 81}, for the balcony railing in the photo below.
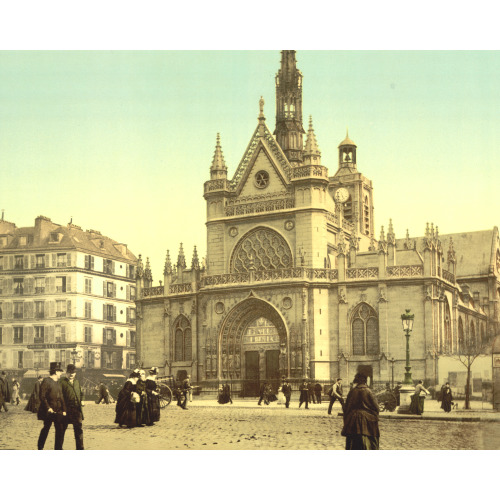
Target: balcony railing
{"x": 39, "y": 289}
{"x": 18, "y": 340}
{"x": 18, "y": 315}
{"x": 38, "y": 340}
{"x": 60, "y": 314}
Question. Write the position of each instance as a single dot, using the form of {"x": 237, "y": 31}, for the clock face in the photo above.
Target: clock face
{"x": 341, "y": 195}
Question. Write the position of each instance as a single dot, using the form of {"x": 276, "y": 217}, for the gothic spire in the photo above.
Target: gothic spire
{"x": 407, "y": 243}
{"x": 391, "y": 236}
{"x": 148, "y": 275}
{"x": 312, "y": 154}
{"x": 181, "y": 259}
{"x": 195, "y": 263}
{"x": 168, "y": 264}
{"x": 140, "y": 268}
{"x": 289, "y": 127}
{"x": 218, "y": 170}
{"x": 382, "y": 243}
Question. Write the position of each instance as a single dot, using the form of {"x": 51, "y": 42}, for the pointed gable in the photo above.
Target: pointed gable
{"x": 262, "y": 153}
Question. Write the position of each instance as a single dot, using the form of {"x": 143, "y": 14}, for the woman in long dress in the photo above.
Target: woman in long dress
{"x": 361, "y": 417}
{"x": 15, "y": 392}
{"x": 125, "y": 405}
{"x": 281, "y": 396}
{"x": 153, "y": 399}
{"x": 447, "y": 398}
{"x": 142, "y": 405}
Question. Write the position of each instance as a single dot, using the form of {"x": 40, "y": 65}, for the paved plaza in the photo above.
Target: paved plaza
{"x": 246, "y": 426}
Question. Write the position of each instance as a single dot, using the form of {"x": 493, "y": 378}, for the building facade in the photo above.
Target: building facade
{"x": 65, "y": 295}
{"x": 295, "y": 281}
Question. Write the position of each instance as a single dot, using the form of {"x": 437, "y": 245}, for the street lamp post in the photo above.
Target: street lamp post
{"x": 407, "y": 389}
{"x": 392, "y": 361}
{"x": 407, "y": 320}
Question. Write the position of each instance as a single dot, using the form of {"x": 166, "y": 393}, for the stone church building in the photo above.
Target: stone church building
{"x": 297, "y": 281}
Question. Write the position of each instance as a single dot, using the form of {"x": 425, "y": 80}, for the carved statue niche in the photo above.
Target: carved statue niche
{"x": 382, "y": 297}
{"x": 342, "y": 296}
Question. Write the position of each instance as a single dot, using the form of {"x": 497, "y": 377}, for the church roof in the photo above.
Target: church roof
{"x": 347, "y": 141}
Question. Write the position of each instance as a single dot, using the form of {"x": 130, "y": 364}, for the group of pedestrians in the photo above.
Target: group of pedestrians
{"x": 5, "y": 393}
{"x": 138, "y": 403}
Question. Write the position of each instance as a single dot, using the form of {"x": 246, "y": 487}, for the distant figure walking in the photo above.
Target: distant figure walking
{"x": 304, "y": 394}
{"x": 227, "y": 393}
{"x": 186, "y": 388}
{"x": 335, "y": 393}
{"x": 15, "y": 392}
{"x": 418, "y": 399}
{"x": 73, "y": 399}
{"x": 103, "y": 393}
{"x": 310, "y": 392}
{"x": 4, "y": 391}
{"x": 287, "y": 392}
{"x": 263, "y": 393}
{"x": 361, "y": 417}
{"x": 447, "y": 397}
{"x": 34, "y": 400}
{"x": 318, "y": 388}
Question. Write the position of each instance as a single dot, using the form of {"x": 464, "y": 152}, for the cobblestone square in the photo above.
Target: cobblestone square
{"x": 238, "y": 427}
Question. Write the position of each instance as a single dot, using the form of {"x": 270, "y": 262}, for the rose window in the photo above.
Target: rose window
{"x": 260, "y": 250}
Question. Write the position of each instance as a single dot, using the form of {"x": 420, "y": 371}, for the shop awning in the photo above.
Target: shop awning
{"x": 113, "y": 375}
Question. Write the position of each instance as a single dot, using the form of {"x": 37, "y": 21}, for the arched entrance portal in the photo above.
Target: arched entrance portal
{"x": 253, "y": 345}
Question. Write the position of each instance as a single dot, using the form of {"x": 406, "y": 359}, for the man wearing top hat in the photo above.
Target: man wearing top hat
{"x": 52, "y": 407}
{"x": 72, "y": 394}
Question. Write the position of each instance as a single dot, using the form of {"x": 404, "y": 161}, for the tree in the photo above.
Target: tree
{"x": 469, "y": 349}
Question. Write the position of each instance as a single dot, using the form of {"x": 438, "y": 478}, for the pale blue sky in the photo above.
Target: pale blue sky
{"x": 123, "y": 141}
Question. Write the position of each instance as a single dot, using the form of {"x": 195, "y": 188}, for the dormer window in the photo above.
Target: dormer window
{"x": 55, "y": 237}
{"x": 22, "y": 241}
{"x": 3, "y": 241}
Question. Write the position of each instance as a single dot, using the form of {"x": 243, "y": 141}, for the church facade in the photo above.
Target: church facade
{"x": 295, "y": 282}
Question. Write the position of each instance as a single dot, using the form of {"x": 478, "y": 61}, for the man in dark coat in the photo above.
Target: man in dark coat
{"x": 72, "y": 394}
{"x": 52, "y": 407}
{"x": 335, "y": 393}
{"x": 4, "y": 391}
{"x": 304, "y": 394}
{"x": 318, "y": 388}
{"x": 34, "y": 400}
{"x": 287, "y": 392}
{"x": 361, "y": 417}
{"x": 262, "y": 393}
{"x": 446, "y": 397}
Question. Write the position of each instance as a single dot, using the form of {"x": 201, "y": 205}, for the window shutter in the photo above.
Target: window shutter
{"x": 52, "y": 284}
{"x": 91, "y": 262}
{"x": 68, "y": 308}
{"x": 8, "y": 286}
{"x": 114, "y": 358}
{"x": 128, "y": 314}
{"x": 33, "y": 262}
{"x": 52, "y": 308}
{"x": 28, "y": 310}
{"x": 51, "y": 334}
{"x": 128, "y": 292}
{"x": 112, "y": 267}
{"x": 104, "y": 291}
{"x": 63, "y": 333}
{"x": 46, "y": 309}
{"x": 8, "y": 334}
{"x": 114, "y": 313}
{"x": 47, "y": 285}
{"x": 104, "y": 312}
{"x": 11, "y": 263}
{"x": 8, "y": 310}
{"x": 68, "y": 260}
{"x": 104, "y": 336}
{"x": 114, "y": 337}
{"x": 47, "y": 260}
{"x": 128, "y": 339}
{"x": 87, "y": 261}
{"x": 29, "y": 334}
{"x": 29, "y": 286}
{"x": 46, "y": 358}
{"x": 26, "y": 262}
{"x": 54, "y": 260}
{"x": 28, "y": 359}
{"x": 114, "y": 290}
{"x": 68, "y": 284}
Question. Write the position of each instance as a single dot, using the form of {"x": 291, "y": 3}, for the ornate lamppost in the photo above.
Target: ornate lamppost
{"x": 407, "y": 389}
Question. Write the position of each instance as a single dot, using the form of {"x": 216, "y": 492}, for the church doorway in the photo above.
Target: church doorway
{"x": 253, "y": 346}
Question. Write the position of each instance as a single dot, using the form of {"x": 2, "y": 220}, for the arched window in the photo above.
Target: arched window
{"x": 364, "y": 331}
{"x": 263, "y": 249}
{"x": 461, "y": 338}
{"x": 348, "y": 209}
{"x": 447, "y": 347}
{"x": 182, "y": 339}
{"x": 472, "y": 334}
